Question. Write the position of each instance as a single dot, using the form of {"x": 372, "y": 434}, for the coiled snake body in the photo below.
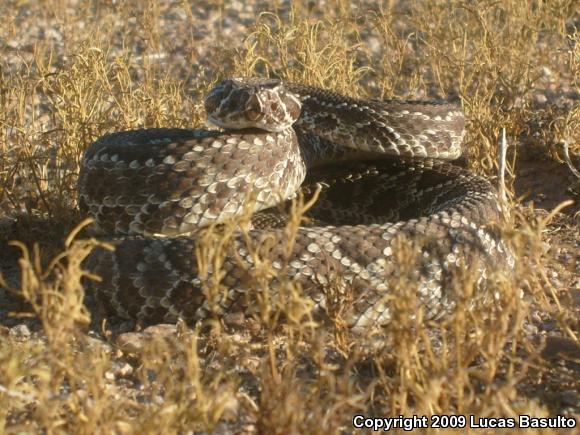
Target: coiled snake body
{"x": 382, "y": 168}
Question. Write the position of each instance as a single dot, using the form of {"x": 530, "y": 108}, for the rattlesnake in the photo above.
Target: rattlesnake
{"x": 382, "y": 169}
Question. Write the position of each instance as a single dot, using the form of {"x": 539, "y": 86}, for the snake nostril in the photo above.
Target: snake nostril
{"x": 253, "y": 108}
{"x": 253, "y": 115}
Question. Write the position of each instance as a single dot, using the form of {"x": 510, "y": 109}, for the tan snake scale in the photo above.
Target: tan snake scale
{"x": 383, "y": 172}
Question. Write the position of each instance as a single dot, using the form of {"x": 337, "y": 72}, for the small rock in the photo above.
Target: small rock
{"x": 570, "y": 398}
{"x": 161, "y": 330}
{"x": 124, "y": 370}
{"x": 253, "y": 326}
{"x": 99, "y": 345}
{"x": 576, "y": 297}
{"x": 547, "y": 72}
{"x": 561, "y": 348}
{"x": 541, "y": 99}
{"x": 134, "y": 342}
{"x": 531, "y": 329}
{"x": 252, "y": 364}
{"x": 231, "y": 408}
{"x": 20, "y": 332}
{"x": 131, "y": 342}
{"x": 234, "y": 320}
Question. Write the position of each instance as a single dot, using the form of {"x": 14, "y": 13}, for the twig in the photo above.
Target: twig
{"x": 17, "y": 394}
{"x": 568, "y": 160}
{"x": 502, "y": 168}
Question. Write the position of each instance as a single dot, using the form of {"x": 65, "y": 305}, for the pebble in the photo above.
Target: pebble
{"x": 234, "y": 319}
{"x": 130, "y": 342}
{"x": 134, "y": 342}
{"x": 231, "y": 408}
{"x": 98, "y": 344}
{"x": 561, "y": 348}
{"x": 570, "y": 398}
{"x": 547, "y": 72}
{"x": 541, "y": 99}
{"x": 530, "y": 329}
{"x": 20, "y": 332}
{"x": 576, "y": 297}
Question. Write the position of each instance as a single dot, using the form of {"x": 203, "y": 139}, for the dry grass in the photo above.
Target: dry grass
{"x": 73, "y": 71}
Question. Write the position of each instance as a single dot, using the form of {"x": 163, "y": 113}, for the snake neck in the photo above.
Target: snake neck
{"x": 416, "y": 129}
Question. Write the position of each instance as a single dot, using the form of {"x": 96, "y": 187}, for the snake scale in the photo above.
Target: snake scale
{"x": 383, "y": 170}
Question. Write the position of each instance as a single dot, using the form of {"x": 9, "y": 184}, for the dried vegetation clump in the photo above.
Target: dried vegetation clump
{"x": 72, "y": 71}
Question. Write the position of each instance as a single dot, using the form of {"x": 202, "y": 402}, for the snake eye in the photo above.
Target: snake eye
{"x": 211, "y": 103}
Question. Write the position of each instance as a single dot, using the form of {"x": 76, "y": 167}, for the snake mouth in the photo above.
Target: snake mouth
{"x": 234, "y": 125}
{"x": 213, "y": 121}
{"x": 220, "y": 123}
{"x": 242, "y": 124}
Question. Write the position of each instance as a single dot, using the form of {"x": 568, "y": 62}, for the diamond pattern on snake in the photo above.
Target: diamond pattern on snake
{"x": 383, "y": 170}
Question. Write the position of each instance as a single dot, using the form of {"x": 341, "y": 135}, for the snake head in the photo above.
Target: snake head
{"x": 252, "y": 103}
